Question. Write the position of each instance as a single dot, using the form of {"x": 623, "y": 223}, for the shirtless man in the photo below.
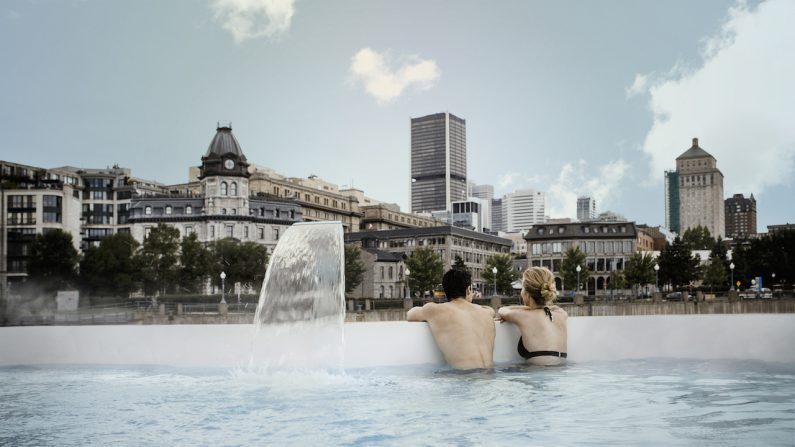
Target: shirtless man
{"x": 463, "y": 331}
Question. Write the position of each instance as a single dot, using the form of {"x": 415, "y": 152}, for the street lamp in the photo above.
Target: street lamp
{"x": 494, "y": 271}
{"x": 774, "y": 279}
{"x": 407, "y": 272}
{"x": 657, "y": 276}
{"x": 579, "y": 269}
{"x": 223, "y": 294}
{"x": 731, "y": 267}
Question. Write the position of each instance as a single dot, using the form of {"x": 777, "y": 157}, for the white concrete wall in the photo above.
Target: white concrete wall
{"x": 764, "y": 337}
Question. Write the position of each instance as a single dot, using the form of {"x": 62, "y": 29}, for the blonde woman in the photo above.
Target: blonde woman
{"x": 542, "y": 324}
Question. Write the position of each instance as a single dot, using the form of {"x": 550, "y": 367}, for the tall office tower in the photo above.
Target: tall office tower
{"x": 523, "y": 209}
{"x": 497, "y": 215}
{"x": 438, "y": 162}
{"x": 586, "y": 209}
{"x": 700, "y": 191}
{"x": 740, "y": 216}
{"x": 672, "y": 201}
{"x": 485, "y": 192}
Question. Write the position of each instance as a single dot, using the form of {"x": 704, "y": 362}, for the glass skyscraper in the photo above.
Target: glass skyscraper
{"x": 438, "y": 162}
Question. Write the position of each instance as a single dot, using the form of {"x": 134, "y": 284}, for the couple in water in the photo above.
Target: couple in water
{"x": 465, "y": 331}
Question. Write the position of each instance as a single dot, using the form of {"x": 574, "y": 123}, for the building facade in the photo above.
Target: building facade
{"x": 383, "y": 276}
{"x": 448, "y": 241}
{"x": 672, "y": 201}
{"x": 497, "y": 215}
{"x": 700, "y": 191}
{"x": 607, "y": 247}
{"x": 225, "y": 207}
{"x": 740, "y": 216}
{"x": 389, "y": 217}
{"x": 438, "y": 162}
{"x": 522, "y": 209}
{"x": 586, "y": 209}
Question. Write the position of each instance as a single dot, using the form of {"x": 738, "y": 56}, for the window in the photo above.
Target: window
{"x": 233, "y": 189}
{"x": 390, "y": 272}
{"x": 382, "y": 272}
{"x": 224, "y": 189}
{"x": 234, "y": 210}
{"x": 223, "y": 210}
{"x": 276, "y": 214}
{"x": 292, "y": 214}
{"x": 168, "y": 209}
{"x": 262, "y": 233}
{"x": 245, "y": 232}
{"x": 381, "y": 295}
{"x": 188, "y": 209}
{"x": 275, "y": 234}
{"x": 188, "y": 230}
{"x": 212, "y": 231}
{"x": 147, "y": 230}
{"x": 148, "y": 210}
{"x": 229, "y": 230}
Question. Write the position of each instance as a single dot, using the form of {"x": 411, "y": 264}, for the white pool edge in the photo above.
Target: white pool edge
{"x": 765, "y": 337}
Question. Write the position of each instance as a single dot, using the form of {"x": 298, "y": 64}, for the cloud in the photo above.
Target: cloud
{"x": 640, "y": 85}
{"x": 505, "y": 181}
{"x": 576, "y": 180}
{"x": 250, "y": 19}
{"x": 738, "y": 101}
{"x": 386, "y": 84}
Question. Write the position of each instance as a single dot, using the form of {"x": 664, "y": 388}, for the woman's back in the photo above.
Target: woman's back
{"x": 543, "y": 333}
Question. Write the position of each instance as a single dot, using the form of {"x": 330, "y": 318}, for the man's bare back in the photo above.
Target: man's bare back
{"x": 464, "y": 332}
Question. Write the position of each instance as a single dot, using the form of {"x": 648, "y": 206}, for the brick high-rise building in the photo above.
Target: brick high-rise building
{"x": 740, "y": 216}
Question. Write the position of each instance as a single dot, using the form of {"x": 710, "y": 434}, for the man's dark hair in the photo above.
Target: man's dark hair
{"x": 455, "y": 283}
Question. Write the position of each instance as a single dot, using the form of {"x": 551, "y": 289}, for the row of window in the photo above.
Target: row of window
{"x": 599, "y": 265}
{"x": 607, "y": 247}
{"x": 228, "y": 231}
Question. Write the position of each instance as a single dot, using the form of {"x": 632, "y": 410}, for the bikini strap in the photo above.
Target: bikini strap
{"x": 548, "y": 312}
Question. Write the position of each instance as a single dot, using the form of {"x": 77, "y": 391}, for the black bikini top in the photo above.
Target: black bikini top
{"x": 527, "y": 354}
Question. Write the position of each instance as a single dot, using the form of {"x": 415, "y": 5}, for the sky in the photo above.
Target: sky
{"x": 569, "y": 98}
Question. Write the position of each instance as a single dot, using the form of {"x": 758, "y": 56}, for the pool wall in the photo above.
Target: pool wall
{"x": 764, "y": 337}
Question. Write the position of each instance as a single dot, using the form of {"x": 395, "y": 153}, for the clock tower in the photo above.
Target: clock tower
{"x": 224, "y": 175}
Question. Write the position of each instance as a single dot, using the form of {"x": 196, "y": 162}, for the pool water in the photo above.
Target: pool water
{"x": 633, "y": 402}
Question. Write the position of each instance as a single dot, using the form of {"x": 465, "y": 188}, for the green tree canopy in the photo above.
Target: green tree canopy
{"x": 194, "y": 264}
{"x": 715, "y": 274}
{"x": 506, "y": 274}
{"x": 678, "y": 266}
{"x": 772, "y": 253}
{"x": 241, "y": 262}
{"x": 426, "y": 269}
{"x": 354, "y": 268}
{"x": 111, "y": 269}
{"x": 158, "y": 259}
{"x": 618, "y": 280}
{"x": 53, "y": 259}
{"x": 568, "y": 269}
{"x": 698, "y": 238}
{"x": 459, "y": 264}
{"x": 640, "y": 270}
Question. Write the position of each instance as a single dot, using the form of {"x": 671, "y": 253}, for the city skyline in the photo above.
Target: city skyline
{"x": 554, "y": 101}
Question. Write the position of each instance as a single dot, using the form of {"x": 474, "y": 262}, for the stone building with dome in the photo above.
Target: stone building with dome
{"x": 224, "y": 207}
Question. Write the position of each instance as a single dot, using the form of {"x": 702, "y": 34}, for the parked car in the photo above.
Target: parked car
{"x": 674, "y": 296}
{"x": 765, "y": 293}
{"x": 749, "y": 294}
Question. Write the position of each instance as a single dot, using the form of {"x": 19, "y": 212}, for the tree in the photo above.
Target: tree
{"x": 354, "y": 268}
{"x": 568, "y": 269}
{"x": 506, "y": 274}
{"x": 158, "y": 259}
{"x": 459, "y": 264}
{"x": 715, "y": 274}
{"x": 678, "y": 266}
{"x": 618, "y": 280}
{"x": 245, "y": 263}
{"x": 698, "y": 238}
{"x": 640, "y": 270}
{"x": 194, "y": 264}
{"x": 772, "y": 253}
{"x": 111, "y": 269}
{"x": 426, "y": 269}
{"x": 52, "y": 260}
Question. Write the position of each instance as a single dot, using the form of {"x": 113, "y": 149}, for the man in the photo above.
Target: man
{"x": 463, "y": 331}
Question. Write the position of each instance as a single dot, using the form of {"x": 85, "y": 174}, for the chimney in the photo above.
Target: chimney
{"x": 695, "y": 142}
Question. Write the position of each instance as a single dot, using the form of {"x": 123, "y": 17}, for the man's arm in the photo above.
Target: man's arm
{"x": 419, "y": 313}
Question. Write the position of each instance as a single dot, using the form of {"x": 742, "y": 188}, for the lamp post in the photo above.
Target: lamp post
{"x": 579, "y": 269}
{"x": 773, "y": 282}
{"x": 407, "y": 272}
{"x": 223, "y": 294}
{"x": 731, "y": 267}
{"x": 494, "y": 271}
{"x": 657, "y": 276}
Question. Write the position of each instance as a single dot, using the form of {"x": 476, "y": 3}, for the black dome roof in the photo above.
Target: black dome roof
{"x": 224, "y": 143}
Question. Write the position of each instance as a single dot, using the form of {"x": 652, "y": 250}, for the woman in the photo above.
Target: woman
{"x": 542, "y": 324}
